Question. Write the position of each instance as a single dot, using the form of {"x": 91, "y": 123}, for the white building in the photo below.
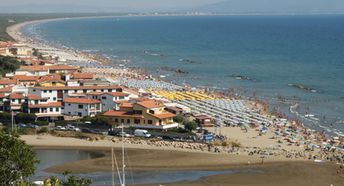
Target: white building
{"x": 58, "y": 93}
{"x": 108, "y": 99}
{"x": 82, "y": 107}
{"x": 42, "y": 108}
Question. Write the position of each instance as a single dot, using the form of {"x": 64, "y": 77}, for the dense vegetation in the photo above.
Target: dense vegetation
{"x": 18, "y": 162}
{"x": 8, "y": 64}
{"x": 11, "y": 19}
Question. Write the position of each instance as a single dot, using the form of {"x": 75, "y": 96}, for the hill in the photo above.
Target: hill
{"x": 275, "y": 6}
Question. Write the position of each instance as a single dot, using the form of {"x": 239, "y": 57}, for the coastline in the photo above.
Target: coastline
{"x": 149, "y": 160}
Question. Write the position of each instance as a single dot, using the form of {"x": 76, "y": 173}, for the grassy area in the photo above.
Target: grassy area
{"x": 19, "y": 18}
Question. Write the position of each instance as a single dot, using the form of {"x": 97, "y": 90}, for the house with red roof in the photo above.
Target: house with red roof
{"x": 82, "y": 107}
{"x": 149, "y": 114}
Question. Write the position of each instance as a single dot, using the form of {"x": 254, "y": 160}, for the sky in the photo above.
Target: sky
{"x": 170, "y": 5}
{"x": 106, "y": 4}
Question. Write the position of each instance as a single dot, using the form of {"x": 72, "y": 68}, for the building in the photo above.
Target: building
{"x": 148, "y": 114}
{"x": 82, "y": 107}
{"x": 204, "y": 121}
{"x": 58, "y": 93}
{"x": 42, "y": 108}
{"x": 25, "y": 80}
{"x": 109, "y": 100}
{"x": 7, "y": 82}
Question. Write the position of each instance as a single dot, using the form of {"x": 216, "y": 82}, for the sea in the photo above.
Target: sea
{"x": 296, "y": 62}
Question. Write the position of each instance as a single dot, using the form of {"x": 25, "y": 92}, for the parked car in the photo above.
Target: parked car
{"x": 22, "y": 125}
{"x": 60, "y": 128}
{"x": 73, "y": 128}
{"x": 124, "y": 134}
{"x": 33, "y": 126}
{"x": 142, "y": 133}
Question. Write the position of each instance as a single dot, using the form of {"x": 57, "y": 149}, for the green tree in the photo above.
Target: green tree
{"x": 190, "y": 125}
{"x": 178, "y": 119}
{"x": 17, "y": 159}
{"x": 100, "y": 120}
{"x": 25, "y": 118}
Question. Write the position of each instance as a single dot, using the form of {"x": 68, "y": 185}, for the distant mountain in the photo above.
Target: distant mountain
{"x": 62, "y": 8}
{"x": 274, "y": 6}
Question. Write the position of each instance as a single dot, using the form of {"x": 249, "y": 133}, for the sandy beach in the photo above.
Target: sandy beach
{"x": 273, "y": 172}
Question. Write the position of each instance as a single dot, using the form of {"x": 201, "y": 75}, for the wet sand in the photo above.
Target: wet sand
{"x": 272, "y": 172}
{"x": 277, "y": 174}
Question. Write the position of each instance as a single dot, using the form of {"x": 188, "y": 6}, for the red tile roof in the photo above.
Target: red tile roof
{"x": 150, "y": 104}
{"x": 113, "y": 113}
{"x": 126, "y": 105}
{"x": 16, "y": 96}
{"x": 6, "y": 89}
{"x": 50, "y": 77}
{"x": 35, "y": 97}
{"x": 77, "y": 75}
{"x": 47, "y": 105}
{"x": 7, "y": 82}
{"x": 24, "y": 78}
{"x": 46, "y": 68}
{"x": 114, "y": 94}
{"x": 81, "y": 100}
{"x": 79, "y": 88}
{"x": 163, "y": 115}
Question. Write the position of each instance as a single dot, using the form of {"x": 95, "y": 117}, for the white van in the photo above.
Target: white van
{"x": 142, "y": 133}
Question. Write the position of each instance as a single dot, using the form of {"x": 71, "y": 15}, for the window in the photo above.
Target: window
{"x": 50, "y": 91}
{"x": 136, "y": 121}
{"x": 34, "y": 90}
{"x": 116, "y": 120}
{"x": 54, "y": 98}
{"x": 75, "y": 91}
{"x": 44, "y": 91}
{"x": 84, "y": 91}
{"x": 50, "y": 109}
{"x": 128, "y": 120}
{"x": 68, "y": 104}
{"x": 80, "y": 106}
{"x": 138, "y": 112}
{"x": 110, "y": 90}
{"x": 122, "y": 120}
{"x": 151, "y": 111}
{"x": 66, "y": 91}
{"x": 103, "y": 97}
{"x": 150, "y": 121}
{"x": 57, "y": 109}
{"x": 102, "y": 90}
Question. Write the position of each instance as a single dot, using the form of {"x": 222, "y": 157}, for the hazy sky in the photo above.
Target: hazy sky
{"x": 171, "y": 5}
{"x": 118, "y": 3}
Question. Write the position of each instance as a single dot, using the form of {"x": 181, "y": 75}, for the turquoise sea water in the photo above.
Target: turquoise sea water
{"x": 272, "y": 51}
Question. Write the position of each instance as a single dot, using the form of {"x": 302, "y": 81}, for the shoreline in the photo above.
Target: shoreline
{"x": 192, "y": 159}
{"x": 14, "y": 31}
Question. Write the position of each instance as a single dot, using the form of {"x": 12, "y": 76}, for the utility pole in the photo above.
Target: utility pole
{"x": 123, "y": 165}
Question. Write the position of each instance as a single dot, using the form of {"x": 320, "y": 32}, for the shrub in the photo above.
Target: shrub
{"x": 43, "y": 130}
{"x": 190, "y": 125}
{"x": 179, "y": 119}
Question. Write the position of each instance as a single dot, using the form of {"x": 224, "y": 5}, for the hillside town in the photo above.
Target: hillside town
{"x": 59, "y": 85}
